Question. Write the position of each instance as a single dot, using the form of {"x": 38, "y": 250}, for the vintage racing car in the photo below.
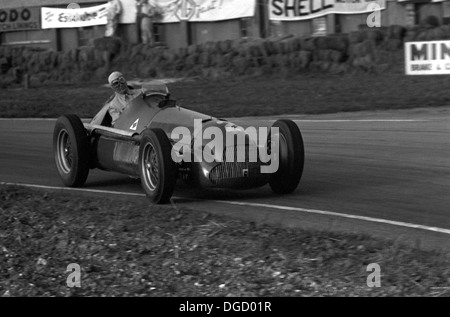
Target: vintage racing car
{"x": 140, "y": 145}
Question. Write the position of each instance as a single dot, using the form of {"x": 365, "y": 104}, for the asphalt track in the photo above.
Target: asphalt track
{"x": 382, "y": 173}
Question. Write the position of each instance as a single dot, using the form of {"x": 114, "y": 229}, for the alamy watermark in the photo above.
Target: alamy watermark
{"x": 374, "y": 18}
{"x": 74, "y": 278}
{"x": 246, "y": 145}
{"x": 374, "y": 278}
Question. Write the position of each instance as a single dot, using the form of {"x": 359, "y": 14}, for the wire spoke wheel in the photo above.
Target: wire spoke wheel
{"x": 158, "y": 171}
{"x": 64, "y": 152}
{"x": 150, "y": 167}
{"x": 71, "y": 150}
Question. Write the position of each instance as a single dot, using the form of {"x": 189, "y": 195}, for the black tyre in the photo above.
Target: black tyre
{"x": 71, "y": 150}
{"x": 157, "y": 170}
{"x": 291, "y": 158}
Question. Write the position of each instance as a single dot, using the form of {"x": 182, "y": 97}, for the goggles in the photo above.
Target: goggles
{"x": 117, "y": 82}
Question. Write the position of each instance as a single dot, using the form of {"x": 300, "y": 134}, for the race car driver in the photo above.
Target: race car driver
{"x": 123, "y": 95}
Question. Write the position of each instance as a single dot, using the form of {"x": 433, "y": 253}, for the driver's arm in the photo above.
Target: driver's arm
{"x": 114, "y": 113}
{"x": 114, "y": 109}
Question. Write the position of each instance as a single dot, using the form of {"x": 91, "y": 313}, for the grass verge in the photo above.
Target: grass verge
{"x": 131, "y": 248}
{"x": 301, "y": 94}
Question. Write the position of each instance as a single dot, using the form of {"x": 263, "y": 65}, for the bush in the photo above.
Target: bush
{"x": 110, "y": 44}
{"x": 363, "y": 49}
{"x": 396, "y": 32}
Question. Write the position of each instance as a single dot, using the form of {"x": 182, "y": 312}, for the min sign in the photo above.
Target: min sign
{"x": 427, "y": 58}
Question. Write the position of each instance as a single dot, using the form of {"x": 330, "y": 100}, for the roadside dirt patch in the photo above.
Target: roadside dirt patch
{"x": 136, "y": 249}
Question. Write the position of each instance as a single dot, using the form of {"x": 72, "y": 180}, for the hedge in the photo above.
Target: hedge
{"x": 365, "y": 49}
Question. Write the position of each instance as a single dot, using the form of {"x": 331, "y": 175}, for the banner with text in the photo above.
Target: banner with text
{"x": 427, "y": 58}
{"x": 421, "y": 1}
{"x": 204, "y": 10}
{"x": 74, "y": 18}
{"x": 19, "y": 19}
{"x": 295, "y": 10}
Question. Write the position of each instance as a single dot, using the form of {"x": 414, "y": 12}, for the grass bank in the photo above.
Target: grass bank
{"x": 130, "y": 248}
{"x": 302, "y": 94}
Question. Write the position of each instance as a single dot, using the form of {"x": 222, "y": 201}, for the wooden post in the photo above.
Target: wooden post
{"x": 185, "y": 33}
{"x": 331, "y": 20}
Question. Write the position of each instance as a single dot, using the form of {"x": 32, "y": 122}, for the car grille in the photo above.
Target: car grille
{"x": 231, "y": 169}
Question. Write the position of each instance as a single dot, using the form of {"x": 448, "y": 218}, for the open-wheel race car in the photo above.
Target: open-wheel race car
{"x": 141, "y": 145}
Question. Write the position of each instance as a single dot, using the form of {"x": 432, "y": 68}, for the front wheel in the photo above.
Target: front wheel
{"x": 291, "y": 158}
{"x": 71, "y": 150}
{"x": 157, "y": 170}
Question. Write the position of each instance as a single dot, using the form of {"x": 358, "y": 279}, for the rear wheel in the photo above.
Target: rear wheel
{"x": 291, "y": 157}
{"x": 71, "y": 150}
{"x": 157, "y": 170}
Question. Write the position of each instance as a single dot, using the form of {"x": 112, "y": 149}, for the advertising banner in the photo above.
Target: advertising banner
{"x": 19, "y": 19}
{"x": 296, "y": 10}
{"x": 204, "y": 10}
{"x": 128, "y": 14}
{"x": 421, "y": 1}
{"x": 73, "y": 18}
{"x": 427, "y": 58}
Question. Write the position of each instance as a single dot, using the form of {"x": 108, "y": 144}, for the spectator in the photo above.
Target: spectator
{"x": 114, "y": 11}
{"x": 146, "y": 14}
{"x": 138, "y": 17}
